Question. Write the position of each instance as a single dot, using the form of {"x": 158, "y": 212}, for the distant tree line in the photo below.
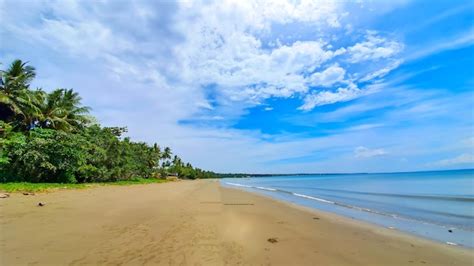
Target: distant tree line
{"x": 50, "y": 137}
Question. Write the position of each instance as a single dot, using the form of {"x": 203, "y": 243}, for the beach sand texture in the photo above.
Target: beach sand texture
{"x": 196, "y": 223}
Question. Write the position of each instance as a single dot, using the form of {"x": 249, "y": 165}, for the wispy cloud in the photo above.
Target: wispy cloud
{"x": 365, "y": 127}
{"x": 463, "y": 159}
{"x": 459, "y": 41}
{"x": 373, "y": 48}
{"x": 344, "y": 94}
{"x": 450, "y": 12}
{"x": 364, "y": 152}
{"x": 328, "y": 97}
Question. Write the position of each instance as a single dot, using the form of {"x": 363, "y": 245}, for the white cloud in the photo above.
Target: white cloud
{"x": 381, "y": 72}
{"x": 231, "y": 52}
{"x": 220, "y": 43}
{"x": 374, "y": 48}
{"x": 364, "y": 152}
{"x": 319, "y": 98}
{"x": 328, "y": 77}
{"x": 245, "y": 71}
{"x": 465, "y": 158}
{"x": 84, "y": 38}
{"x": 281, "y": 11}
{"x": 364, "y": 127}
{"x": 268, "y": 108}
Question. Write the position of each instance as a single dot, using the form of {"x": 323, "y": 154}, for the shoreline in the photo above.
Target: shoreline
{"x": 267, "y": 193}
{"x": 393, "y": 232}
{"x": 198, "y": 222}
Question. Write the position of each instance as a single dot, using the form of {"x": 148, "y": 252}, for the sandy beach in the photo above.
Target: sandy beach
{"x": 196, "y": 223}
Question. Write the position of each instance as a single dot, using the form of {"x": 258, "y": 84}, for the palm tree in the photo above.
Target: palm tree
{"x": 167, "y": 153}
{"x": 76, "y": 114}
{"x": 17, "y": 76}
{"x": 177, "y": 161}
{"x": 61, "y": 109}
{"x": 14, "y": 94}
{"x": 30, "y": 110}
{"x": 155, "y": 156}
{"x": 166, "y": 156}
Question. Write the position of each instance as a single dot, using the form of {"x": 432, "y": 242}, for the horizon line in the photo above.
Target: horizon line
{"x": 353, "y": 173}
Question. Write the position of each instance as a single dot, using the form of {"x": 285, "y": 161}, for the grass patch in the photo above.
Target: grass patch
{"x": 45, "y": 187}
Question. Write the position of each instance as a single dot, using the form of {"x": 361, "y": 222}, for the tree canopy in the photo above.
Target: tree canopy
{"x": 51, "y": 137}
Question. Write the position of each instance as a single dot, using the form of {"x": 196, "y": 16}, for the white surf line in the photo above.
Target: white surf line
{"x": 266, "y": 188}
{"x": 240, "y": 185}
{"x": 320, "y": 200}
{"x": 237, "y": 185}
{"x": 343, "y": 205}
{"x": 313, "y": 198}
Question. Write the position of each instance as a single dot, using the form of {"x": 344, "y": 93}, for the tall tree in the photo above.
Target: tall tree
{"x": 14, "y": 94}
{"x": 61, "y": 109}
{"x": 167, "y": 153}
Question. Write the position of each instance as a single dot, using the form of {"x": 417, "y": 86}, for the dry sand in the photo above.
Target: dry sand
{"x": 196, "y": 223}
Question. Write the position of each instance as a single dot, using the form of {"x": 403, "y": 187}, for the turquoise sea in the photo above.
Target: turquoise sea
{"x": 438, "y": 205}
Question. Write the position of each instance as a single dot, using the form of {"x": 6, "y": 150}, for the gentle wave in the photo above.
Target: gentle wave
{"x": 266, "y": 188}
{"x": 418, "y": 210}
{"x": 239, "y": 185}
{"x": 467, "y": 198}
{"x": 313, "y": 198}
{"x": 395, "y": 216}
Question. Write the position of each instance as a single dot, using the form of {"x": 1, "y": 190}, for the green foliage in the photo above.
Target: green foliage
{"x": 49, "y": 138}
{"x": 46, "y": 155}
{"x": 8, "y": 139}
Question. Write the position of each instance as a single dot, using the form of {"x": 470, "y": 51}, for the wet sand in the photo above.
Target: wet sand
{"x": 197, "y": 223}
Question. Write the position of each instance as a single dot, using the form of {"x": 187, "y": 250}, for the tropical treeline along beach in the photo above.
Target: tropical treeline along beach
{"x": 50, "y": 142}
{"x": 50, "y": 137}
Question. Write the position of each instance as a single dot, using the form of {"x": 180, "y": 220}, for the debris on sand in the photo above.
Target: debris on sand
{"x": 41, "y": 204}
{"x": 272, "y": 240}
{"x": 4, "y": 195}
{"x": 315, "y": 218}
{"x": 28, "y": 193}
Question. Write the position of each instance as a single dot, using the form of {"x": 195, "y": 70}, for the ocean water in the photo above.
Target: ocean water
{"x": 438, "y": 205}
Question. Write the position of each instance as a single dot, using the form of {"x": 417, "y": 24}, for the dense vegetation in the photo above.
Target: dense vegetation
{"x": 50, "y": 137}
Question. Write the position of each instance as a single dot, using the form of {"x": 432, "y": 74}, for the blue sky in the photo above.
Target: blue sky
{"x": 268, "y": 86}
